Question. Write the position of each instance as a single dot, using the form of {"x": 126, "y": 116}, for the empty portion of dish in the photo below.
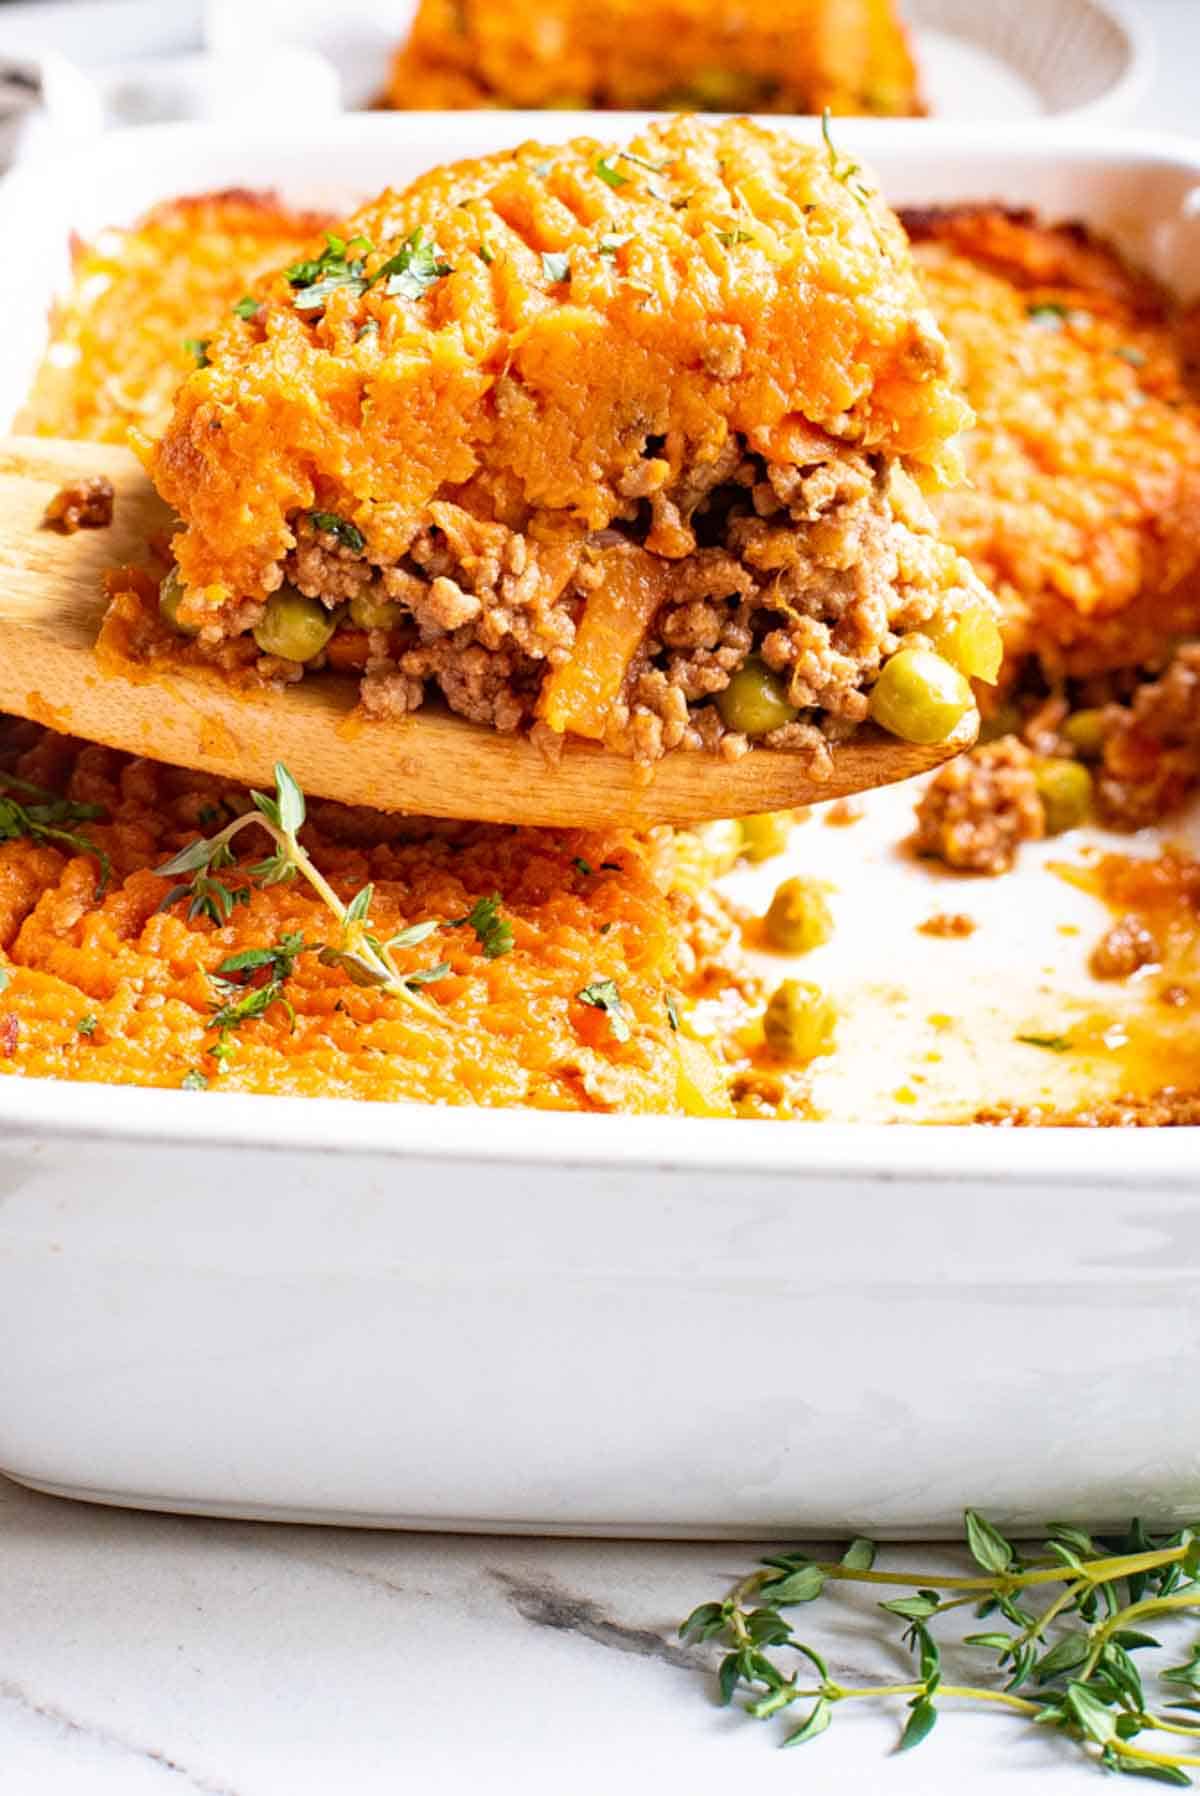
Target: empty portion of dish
{"x": 699, "y": 55}
{"x": 626, "y": 443}
{"x": 142, "y": 304}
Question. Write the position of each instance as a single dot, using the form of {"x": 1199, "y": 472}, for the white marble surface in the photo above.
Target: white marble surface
{"x": 143, "y": 1653}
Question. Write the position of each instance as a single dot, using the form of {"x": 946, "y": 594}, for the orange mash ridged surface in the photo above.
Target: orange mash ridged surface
{"x": 508, "y": 1031}
{"x": 119, "y": 343}
{"x": 743, "y": 281}
{"x": 1082, "y": 508}
{"x": 711, "y": 55}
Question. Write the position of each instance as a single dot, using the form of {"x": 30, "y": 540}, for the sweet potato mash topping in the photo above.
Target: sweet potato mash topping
{"x": 555, "y": 995}
{"x": 708, "y": 55}
{"x": 575, "y": 435}
{"x": 142, "y": 300}
{"x": 1082, "y": 510}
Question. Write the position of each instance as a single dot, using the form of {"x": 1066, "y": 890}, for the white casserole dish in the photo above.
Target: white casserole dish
{"x": 428, "y": 1318}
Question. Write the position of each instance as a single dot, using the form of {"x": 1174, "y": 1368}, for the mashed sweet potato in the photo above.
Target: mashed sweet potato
{"x": 143, "y": 302}
{"x": 109, "y": 986}
{"x": 572, "y": 436}
{"x": 1082, "y": 509}
{"x": 706, "y": 55}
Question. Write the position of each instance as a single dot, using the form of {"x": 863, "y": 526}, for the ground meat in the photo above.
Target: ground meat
{"x": 818, "y": 567}
{"x": 948, "y": 925}
{"x": 1124, "y": 948}
{"x": 85, "y": 506}
{"x": 1152, "y": 748}
{"x": 978, "y": 809}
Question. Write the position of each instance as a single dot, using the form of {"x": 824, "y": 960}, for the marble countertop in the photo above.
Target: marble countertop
{"x": 147, "y": 1653}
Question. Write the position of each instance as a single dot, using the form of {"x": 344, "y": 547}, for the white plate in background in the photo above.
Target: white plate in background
{"x": 980, "y": 59}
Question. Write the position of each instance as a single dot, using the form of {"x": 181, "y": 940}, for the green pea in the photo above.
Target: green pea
{"x": 755, "y": 701}
{"x": 368, "y": 611}
{"x": 920, "y": 697}
{"x": 170, "y": 594}
{"x": 293, "y": 626}
{"x": 800, "y": 1021}
{"x": 971, "y": 641}
{"x": 1086, "y": 732}
{"x": 1065, "y": 789}
{"x": 798, "y": 917}
{"x": 766, "y": 834}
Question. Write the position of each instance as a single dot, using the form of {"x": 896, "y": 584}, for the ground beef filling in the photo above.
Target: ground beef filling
{"x": 816, "y": 570}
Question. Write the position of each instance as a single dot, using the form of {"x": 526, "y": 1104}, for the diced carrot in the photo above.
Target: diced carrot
{"x": 580, "y": 695}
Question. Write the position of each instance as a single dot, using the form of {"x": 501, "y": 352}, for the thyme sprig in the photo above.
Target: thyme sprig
{"x": 358, "y": 948}
{"x": 841, "y": 167}
{"x": 42, "y": 816}
{"x": 1067, "y": 1623}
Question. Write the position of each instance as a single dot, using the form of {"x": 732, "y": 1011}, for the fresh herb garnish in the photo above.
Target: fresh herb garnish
{"x": 651, "y": 168}
{"x": 730, "y": 238}
{"x": 368, "y": 328}
{"x": 612, "y": 241}
{"x": 87, "y": 1025}
{"x": 609, "y": 173}
{"x": 416, "y": 266}
{"x": 1048, "y": 313}
{"x": 193, "y": 1081}
{"x": 242, "y": 995}
{"x": 849, "y": 173}
{"x": 492, "y": 931}
{"x": 197, "y": 348}
{"x": 672, "y": 1011}
{"x": 603, "y": 994}
{"x": 43, "y": 816}
{"x": 1067, "y": 1622}
{"x": 556, "y": 266}
{"x": 486, "y": 254}
{"x": 340, "y": 264}
{"x": 1127, "y": 353}
{"x": 1056, "y": 1044}
{"x": 582, "y": 866}
{"x": 358, "y": 951}
{"x": 348, "y": 534}
{"x": 247, "y": 307}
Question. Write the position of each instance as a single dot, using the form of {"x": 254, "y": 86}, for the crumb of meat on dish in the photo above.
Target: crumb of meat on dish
{"x": 85, "y": 505}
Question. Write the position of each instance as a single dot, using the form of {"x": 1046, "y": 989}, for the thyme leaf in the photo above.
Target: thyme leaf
{"x": 348, "y": 534}
{"x": 1069, "y": 1610}
{"x": 842, "y": 169}
{"x": 416, "y": 267}
{"x": 41, "y": 816}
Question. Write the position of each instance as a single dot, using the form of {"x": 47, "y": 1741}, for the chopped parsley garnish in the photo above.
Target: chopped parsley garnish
{"x": 348, "y": 534}
{"x": 729, "y": 238}
{"x": 556, "y": 266}
{"x": 193, "y": 1081}
{"x": 1055, "y": 1044}
{"x": 603, "y": 994}
{"x": 582, "y": 866}
{"x": 414, "y": 269}
{"x": 247, "y": 307}
{"x": 492, "y": 931}
{"x": 42, "y": 816}
{"x": 340, "y": 264}
{"x": 87, "y": 1025}
{"x": 1052, "y": 315}
{"x": 486, "y": 254}
{"x": 652, "y": 168}
{"x": 197, "y": 348}
{"x": 672, "y": 1011}
{"x": 608, "y": 173}
{"x": 612, "y": 241}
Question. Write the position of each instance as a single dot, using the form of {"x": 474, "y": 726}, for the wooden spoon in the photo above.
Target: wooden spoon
{"x": 51, "y": 603}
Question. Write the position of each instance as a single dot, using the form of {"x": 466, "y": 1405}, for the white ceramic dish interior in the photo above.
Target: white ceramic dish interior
{"x": 413, "y": 1317}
